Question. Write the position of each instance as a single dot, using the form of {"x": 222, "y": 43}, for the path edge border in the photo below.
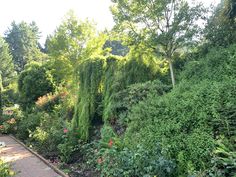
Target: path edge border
{"x": 40, "y": 157}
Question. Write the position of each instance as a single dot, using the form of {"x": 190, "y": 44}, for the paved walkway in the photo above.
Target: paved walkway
{"x": 24, "y": 163}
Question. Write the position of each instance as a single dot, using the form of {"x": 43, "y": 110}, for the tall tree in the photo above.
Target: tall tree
{"x": 221, "y": 26}
{"x": 73, "y": 41}
{"x": 6, "y": 63}
{"x": 23, "y": 42}
{"x": 230, "y": 9}
{"x": 166, "y": 25}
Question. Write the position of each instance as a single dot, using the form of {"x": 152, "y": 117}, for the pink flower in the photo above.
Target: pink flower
{"x": 65, "y": 130}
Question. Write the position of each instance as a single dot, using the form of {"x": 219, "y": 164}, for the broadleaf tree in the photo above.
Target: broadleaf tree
{"x": 165, "y": 25}
{"x": 73, "y": 41}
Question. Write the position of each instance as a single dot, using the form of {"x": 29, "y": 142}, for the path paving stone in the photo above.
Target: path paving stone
{"x": 24, "y": 163}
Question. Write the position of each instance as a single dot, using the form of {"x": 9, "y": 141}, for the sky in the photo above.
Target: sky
{"x": 49, "y": 13}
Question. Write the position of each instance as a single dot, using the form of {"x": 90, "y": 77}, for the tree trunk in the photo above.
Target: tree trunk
{"x": 172, "y": 73}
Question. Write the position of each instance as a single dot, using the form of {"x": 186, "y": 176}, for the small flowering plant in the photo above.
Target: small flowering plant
{"x": 65, "y": 130}
{"x": 11, "y": 121}
{"x": 2, "y": 128}
{"x": 8, "y": 126}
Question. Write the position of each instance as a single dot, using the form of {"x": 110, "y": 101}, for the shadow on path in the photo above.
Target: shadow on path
{"x": 23, "y": 162}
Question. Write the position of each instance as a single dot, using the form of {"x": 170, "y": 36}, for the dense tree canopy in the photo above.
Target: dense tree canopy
{"x": 166, "y": 25}
{"x": 6, "y": 63}
{"x": 221, "y": 27}
{"x": 23, "y": 43}
{"x": 72, "y": 42}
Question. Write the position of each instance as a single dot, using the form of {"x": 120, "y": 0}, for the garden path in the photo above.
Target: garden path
{"x": 23, "y": 162}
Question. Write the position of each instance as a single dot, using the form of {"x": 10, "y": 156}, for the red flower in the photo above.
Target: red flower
{"x": 100, "y": 160}
{"x": 65, "y": 130}
{"x": 110, "y": 143}
{"x": 1, "y": 127}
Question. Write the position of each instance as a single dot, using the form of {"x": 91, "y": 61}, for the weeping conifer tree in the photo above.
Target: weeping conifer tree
{"x": 111, "y": 83}
{"x": 105, "y": 77}
{"x": 90, "y": 76}
{"x": 122, "y": 72}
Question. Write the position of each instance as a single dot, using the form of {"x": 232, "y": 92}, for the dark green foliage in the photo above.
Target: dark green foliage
{"x": 183, "y": 124}
{"x": 10, "y": 96}
{"x": 224, "y": 159}
{"x": 125, "y": 99}
{"x": 189, "y": 119}
{"x": 111, "y": 85}
{"x": 219, "y": 64}
{"x": 6, "y": 63}
{"x": 221, "y": 27}
{"x": 90, "y": 77}
{"x": 48, "y": 134}
{"x": 23, "y": 43}
{"x": 140, "y": 161}
{"x": 28, "y": 124}
{"x": 120, "y": 73}
{"x": 33, "y": 83}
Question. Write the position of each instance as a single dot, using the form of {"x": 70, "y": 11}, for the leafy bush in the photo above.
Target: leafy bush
{"x": 188, "y": 120}
{"x": 125, "y": 99}
{"x": 5, "y": 170}
{"x": 140, "y": 161}
{"x": 218, "y": 64}
{"x": 181, "y": 122}
{"x": 123, "y": 72}
{"x": 224, "y": 160}
{"x": 10, "y": 119}
{"x": 28, "y": 124}
{"x": 45, "y": 141}
{"x": 10, "y": 95}
{"x": 47, "y": 102}
{"x": 34, "y": 82}
{"x": 69, "y": 146}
